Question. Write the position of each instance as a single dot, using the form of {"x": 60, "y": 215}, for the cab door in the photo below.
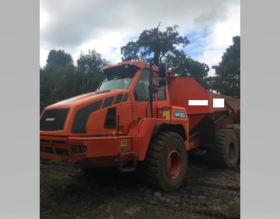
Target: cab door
{"x": 141, "y": 96}
{"x": 162, "y": 97}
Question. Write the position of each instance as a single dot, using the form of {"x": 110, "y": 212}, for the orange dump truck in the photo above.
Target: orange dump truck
{"x": 142, "y": 118}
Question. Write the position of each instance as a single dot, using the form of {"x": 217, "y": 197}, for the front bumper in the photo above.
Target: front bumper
{"x": 100, "y": 151}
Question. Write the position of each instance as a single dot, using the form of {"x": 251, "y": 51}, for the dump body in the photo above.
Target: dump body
{"x": 184, "y": 90}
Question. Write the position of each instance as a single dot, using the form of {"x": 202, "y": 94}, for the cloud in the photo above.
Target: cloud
{"x": 107, "y": 25}
{"x": 214, "y": 44}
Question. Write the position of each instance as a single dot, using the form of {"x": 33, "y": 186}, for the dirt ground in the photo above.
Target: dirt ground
{"x": 207, "y": 192}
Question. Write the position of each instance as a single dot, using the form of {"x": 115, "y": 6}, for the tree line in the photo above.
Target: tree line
{"x": 60, "y": 78}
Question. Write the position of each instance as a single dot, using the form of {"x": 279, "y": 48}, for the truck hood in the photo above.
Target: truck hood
{"x": 85, "y": 99}
{"x": 59, "y": 118}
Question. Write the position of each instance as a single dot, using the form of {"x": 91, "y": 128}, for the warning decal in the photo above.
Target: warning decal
{"x": 123, "y": 142}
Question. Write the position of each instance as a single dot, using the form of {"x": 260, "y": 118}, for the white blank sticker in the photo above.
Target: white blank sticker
{"x": 198, "y": 102}
{"x": 218, "y": 102}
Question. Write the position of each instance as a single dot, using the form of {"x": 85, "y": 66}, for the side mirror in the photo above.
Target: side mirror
{"x": 162, "y": 82}
{"x": 162, "y": 70}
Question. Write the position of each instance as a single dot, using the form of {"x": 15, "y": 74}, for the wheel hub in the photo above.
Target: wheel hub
{"x": 173, "y": 164}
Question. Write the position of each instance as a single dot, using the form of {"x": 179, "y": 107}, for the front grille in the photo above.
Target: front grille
{"x": 79, "y": 149}
{"x": 53, "y": 119}
{"x": 48, "y": 150}
{"x": 58, "y": 142}
{"x": 61, "y": 151}
{"x": 45, "y": 141}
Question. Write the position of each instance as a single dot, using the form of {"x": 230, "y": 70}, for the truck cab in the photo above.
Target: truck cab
{"x": 115, "y": 110}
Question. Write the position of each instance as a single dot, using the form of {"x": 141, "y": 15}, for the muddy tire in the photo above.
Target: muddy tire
{"x": 165, "y": 163}
{"x": 237, "y": 132}
{"x": 225, "y": 153}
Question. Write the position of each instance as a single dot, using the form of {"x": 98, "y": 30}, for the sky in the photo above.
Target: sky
{"x": 106, "y": 26}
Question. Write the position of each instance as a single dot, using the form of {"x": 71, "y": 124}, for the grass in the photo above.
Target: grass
{"x": 236, "y": 126}
{"x": 59, "y": 180}
{"x": 230, "y": 210}
{"x": 233, "y": 207}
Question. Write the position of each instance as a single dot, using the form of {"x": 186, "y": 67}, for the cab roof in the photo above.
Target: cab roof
{"x": 139, "y": 64}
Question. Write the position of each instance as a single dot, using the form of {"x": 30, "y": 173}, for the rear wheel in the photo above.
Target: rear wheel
{"x": 165, "y": 163}
{"x": 225, "y": 153}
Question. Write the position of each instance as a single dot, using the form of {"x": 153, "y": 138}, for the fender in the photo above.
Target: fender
{"x": 149, "y": 127}
{"x": 178, "y": 128}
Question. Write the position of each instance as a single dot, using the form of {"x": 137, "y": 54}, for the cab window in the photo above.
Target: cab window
{"x": 161, "y": 95}
{"x": 141, "y": 92}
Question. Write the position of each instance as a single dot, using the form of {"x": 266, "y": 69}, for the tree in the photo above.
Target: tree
{"x": 184, "y": 66}
{"x": 58, "y": 79}
{"x": 59, "y": 57}
{"x": 154, "y": 44}
{"x": 57, "y": 83}
{"x": 164, "y": 46}
{"x": 88, "y": 66}
{"x": 227, "y": 73}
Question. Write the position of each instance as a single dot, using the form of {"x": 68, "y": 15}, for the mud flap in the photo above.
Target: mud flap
{"x": 206, "y": 130}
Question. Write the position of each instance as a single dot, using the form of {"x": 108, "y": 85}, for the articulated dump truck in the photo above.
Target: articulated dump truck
{"x": 141, "y": 118}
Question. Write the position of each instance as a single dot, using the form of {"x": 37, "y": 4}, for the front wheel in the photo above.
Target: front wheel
{"x": 165, "y": 163}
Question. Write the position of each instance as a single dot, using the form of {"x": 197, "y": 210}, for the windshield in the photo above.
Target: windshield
{"x": 115, "y": 82}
